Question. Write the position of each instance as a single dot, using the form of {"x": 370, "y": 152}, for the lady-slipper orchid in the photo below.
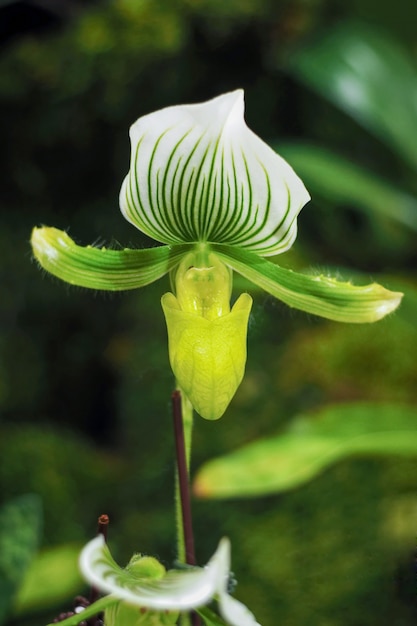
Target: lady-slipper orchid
{"x": 145, "y": 594}
{"x": 220, "y": 200}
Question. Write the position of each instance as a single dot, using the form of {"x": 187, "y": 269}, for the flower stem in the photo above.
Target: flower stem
{"x": 102, "y": 527}
{"x": 182, "y": 413}
{"x": 182, "y": 418}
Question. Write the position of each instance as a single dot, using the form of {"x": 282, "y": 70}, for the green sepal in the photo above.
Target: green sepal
{"x": 208, "y": 357}
{"x": 319, "y": 295}
{"x": 101, "y": 268}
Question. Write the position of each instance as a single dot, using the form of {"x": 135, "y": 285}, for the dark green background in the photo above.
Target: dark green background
{"x": 84, "y": 377}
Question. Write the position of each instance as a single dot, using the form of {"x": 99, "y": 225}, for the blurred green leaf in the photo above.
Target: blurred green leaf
{"x": 370, "y": 76}
{"x": 340, "y": 181}
{"x": 20, "y": 525}
{"x": 310, "y": 445}
{"x": 53, "y": 577}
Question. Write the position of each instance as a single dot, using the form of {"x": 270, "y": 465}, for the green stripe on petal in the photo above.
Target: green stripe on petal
{"x": 319, "y": 295}
{"x": 101, "y": 268}
{"x": 198, "y": 173}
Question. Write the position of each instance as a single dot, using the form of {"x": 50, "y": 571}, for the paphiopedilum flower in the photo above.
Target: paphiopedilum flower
{"x": 220, "y": 200}
{"x": 145, "y": 594}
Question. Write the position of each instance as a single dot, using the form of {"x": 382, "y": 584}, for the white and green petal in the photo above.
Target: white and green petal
{"x": 177, "y": 589}
{"x": 199, "y": 174}
{"x": 101, "y": 268}
{"x": 146, "y": 585}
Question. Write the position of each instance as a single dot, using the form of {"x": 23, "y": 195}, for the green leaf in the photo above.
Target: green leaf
{"x": 52, "y": 578}
{"x": 310, "y": 445}
{"x": 20, "y": 526}
{"x": 319, "y": 295}
{"x": 101, "y": 268}
{"x": 368, "y": 75}
{"x": 197, "y": 173}
{"x": 340, "y": 181}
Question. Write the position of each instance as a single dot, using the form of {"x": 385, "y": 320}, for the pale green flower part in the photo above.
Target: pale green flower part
{"x": 206, "y": 339}
{"x": 220, "y": 200}
{"x": 144, "y": 593}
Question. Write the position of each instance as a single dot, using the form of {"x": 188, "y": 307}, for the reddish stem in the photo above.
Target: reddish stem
{"x": 103, "y": 525}
{"x": 183, "y": 478}
{"x": 102, "y": 528}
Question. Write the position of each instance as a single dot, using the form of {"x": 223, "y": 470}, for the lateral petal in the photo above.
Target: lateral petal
{"x": 101, "y": 268}
{"x": 319, "y": 295}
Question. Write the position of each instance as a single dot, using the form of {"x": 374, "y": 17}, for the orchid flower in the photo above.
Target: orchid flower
{"x": 145, "y": 594}
{"x": 202, "y": 183}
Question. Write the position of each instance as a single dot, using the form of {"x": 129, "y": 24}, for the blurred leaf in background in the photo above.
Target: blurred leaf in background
{"x": 308, "y": 447}
{"x": 51, "y": 579}
{"x": 368, "y": 74}
{"x": 20, "y": 530}
{"x": 64, "y": 470}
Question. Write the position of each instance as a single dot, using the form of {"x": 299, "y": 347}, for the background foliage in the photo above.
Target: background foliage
{"x": 84, "y": 377}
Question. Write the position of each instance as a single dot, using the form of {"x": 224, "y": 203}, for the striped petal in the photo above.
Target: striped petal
{"x": 319, "y": 295}
{"x": 100, "y": 268}
{"x": 199, "y": 174}
{"x": 177, "y": 589}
